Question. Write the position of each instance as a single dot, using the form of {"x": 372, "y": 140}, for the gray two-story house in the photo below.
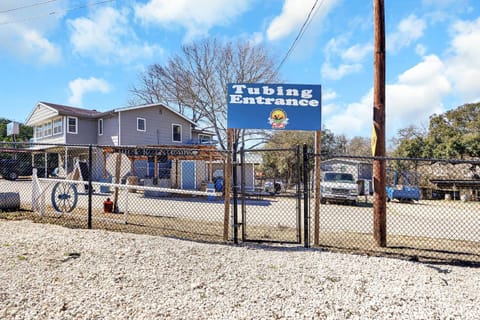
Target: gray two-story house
{"x": 143, "y": 125}
{"x": 153, "y": 124}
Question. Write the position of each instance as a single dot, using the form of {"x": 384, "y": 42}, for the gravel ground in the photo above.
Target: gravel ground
{"x": 50, "y": 272}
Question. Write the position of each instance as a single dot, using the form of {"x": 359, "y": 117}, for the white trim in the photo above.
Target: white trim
{"x": 181, "y": 132}
{"x": 27, "y": 121}
{"x": 64, "y": 124}
{"x": 144, "y": 124}
{"x": 68, "y": 125}
{"x": 53, "y": 126}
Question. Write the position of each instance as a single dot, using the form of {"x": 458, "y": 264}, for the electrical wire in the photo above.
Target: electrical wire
{"x": 56, "y": 12}
{"x": 27, "y": 6}
{"x": 304, "y": 27}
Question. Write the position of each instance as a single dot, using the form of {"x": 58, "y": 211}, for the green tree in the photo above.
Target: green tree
{"x": 359, "y": 146}
{"x": 283, "y": 164}
{"x": 455, "y": 133}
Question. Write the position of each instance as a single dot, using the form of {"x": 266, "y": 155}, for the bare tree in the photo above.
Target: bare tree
{"x": 359, "y": 146}
{"x": 195, "y": 82}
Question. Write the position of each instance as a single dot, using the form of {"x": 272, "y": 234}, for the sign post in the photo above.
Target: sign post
{"x": 277, "y": 107}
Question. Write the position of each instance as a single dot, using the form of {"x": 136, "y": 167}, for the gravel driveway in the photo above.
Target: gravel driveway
{"x": 50, "y": 272}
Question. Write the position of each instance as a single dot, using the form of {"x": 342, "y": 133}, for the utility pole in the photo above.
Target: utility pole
{"x": 378, "y": 133}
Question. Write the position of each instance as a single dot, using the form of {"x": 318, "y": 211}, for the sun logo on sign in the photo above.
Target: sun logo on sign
{"x": 278, "y": 119}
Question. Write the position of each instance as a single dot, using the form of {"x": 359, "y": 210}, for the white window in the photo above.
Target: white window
{"x": 57, "y": 126}
{"x": 72, "y": 125}
{"x": 47, "y": 127}
{"x": 44, "y": 130}
{"x": 100, "y": 127}
{"x": 38, "y": 132}
{"x": 176, "y": 133}
{"x": 141, "y": 124}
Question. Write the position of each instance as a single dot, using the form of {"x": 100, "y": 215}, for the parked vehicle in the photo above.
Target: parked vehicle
{"x": 11, "y": 169}
{"x": 401, "y": 186}
{"x": 338, "y": 187}
{"x": 274, "y": 187}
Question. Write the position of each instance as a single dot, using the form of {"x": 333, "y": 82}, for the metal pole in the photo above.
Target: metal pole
{"x": 90, "y": 191}
{"x": 299, "y": 194}
{"x": 306, "y": 199}
{"x": 235, "y": 193}
{"x": 316, "y": 229}
{"x": 378, "y": 133}
{"x": 227, "y": 186}
{"x": 242, "y": 190}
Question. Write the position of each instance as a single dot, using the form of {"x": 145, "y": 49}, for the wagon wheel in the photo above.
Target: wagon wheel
{"x": 64, "y": 197}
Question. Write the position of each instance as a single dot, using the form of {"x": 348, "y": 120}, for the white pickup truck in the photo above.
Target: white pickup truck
{"x": 338, "y": 187}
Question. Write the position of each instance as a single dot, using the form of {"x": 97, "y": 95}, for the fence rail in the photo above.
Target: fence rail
{"x": 433, "y": 205}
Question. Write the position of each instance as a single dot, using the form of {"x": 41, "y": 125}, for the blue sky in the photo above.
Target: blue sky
{"x": 89, "y": 53}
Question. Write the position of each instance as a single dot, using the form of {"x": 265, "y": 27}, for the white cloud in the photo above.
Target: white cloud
{"x": 408, "y": 31}
{"x": 417, "y": 94}
{"x": 328, "y": 95}
{"x": 332, "y": 73}
{"x": 30, "y": 45}
{"x": 79, "y": 87}
{"x": 349, "y": 58}
{"x": 464, "y": 64}
{"x": 420, "y": 49}
{"x": 197, "y": 17}
{"x": 294, "y": 14}
{"x": 107, "y": 37}
{"x": 256, "y": 38}
{"x": 353, "y": 119}
{"x": 357, "y": 52}
{"x": 26, "y": 39}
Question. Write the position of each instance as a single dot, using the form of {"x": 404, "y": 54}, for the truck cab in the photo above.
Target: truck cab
{"x": 338, "y": 187}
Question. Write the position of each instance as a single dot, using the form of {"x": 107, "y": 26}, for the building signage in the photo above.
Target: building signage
{"x": 274, "y": 106}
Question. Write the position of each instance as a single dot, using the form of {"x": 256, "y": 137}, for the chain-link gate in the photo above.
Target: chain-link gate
{"x": 267, "y": 197}
{"x": 431, "y": 210}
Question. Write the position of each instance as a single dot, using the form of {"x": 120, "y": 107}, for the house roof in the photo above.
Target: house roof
{"x": 153, "y": 105}
{"x": 353, "y": 161}
{"x": 72, "y": 111}
{"x": 60, "y": 109}
{"x": 459, "y": 183}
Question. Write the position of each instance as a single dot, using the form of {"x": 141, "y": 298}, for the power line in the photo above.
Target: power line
{"x": 28, "y": 6}
{"x": 304, "y": 27}
{"x": 56, "y": 12}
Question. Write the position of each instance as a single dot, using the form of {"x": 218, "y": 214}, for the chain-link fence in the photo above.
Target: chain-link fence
{"x": 432, "y": 207}
{"x": 174, "y": 192}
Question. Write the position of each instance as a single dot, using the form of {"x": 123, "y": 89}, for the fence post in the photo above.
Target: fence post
{"x": 242, "y": 190}
{"x": 90, "y": 191}
{"x": 235, "y": 194}
{"x": 306, "y": 200}
{"x": 299, "y": 193}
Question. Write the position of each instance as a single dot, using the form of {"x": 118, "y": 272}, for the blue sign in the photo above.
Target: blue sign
{"x": 274, "y": 106}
